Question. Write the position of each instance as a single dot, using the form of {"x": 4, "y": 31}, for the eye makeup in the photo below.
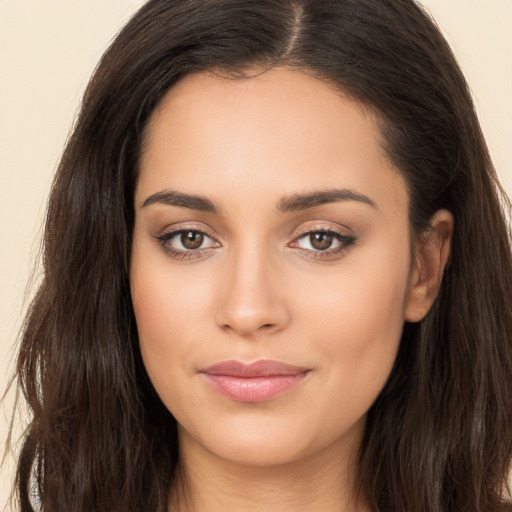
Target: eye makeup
{"x": 315, "y": 242}
{"x": 187, "y": 244}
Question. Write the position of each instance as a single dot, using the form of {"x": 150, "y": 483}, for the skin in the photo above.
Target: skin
{"x": 257, "y": 287}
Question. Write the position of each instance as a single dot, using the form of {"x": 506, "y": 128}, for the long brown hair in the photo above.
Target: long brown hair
{"x": 439, "y": 436}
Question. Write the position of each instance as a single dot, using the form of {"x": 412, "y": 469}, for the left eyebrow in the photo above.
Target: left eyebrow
{"x": 298, "y": 202}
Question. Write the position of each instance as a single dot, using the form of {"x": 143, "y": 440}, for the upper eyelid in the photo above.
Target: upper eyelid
{"x": 175, "y": 229}
{"x": 326, "y": 227}
{"x": 323, "y": 226}
{"x": 303, "y": 231}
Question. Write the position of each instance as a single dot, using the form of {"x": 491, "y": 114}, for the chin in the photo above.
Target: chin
{"x": 269, "y": 442}
{"x": 262, "y": 451}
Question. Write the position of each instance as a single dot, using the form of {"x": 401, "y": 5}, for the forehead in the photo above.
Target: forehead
{"x": 280, "y": 132}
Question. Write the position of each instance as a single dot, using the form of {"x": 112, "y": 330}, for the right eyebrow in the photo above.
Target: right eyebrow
{"x": 173, "y": 198}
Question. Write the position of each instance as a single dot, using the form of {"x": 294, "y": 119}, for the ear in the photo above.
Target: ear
{"x": 430, "y": 257}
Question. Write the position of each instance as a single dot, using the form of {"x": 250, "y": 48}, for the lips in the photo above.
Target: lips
{"x": 255, "y": 382}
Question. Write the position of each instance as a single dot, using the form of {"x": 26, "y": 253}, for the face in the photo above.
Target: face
{"x": 271, "y": 265}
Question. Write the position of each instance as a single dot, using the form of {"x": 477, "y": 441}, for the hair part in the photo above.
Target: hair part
{"x": 439, "y": 436}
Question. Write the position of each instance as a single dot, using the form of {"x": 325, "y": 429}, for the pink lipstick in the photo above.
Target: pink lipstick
{"x": 254, "y": 382}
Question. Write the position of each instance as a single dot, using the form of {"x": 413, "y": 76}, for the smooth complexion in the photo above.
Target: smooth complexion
{"x": 272, "y": 229}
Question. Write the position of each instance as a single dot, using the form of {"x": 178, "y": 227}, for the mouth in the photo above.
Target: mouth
{"x": 254, "y": 382}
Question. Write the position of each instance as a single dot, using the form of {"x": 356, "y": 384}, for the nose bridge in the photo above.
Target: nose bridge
{"x": 251, "y": 300}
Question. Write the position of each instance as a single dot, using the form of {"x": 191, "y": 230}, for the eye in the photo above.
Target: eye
{"x": 321, "y": 243}
{"x": 186, "y": 243}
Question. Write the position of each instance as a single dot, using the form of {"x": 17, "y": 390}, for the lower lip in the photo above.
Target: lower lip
{"x": 254, "y": 389}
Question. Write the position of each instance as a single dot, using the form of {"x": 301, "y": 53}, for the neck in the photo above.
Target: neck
{"x": 321, "y": 482}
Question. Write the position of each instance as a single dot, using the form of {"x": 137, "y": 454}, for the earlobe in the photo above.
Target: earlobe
{"x": 430, "y": 258}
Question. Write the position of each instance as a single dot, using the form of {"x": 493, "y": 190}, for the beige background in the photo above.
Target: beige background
{"x": 48, "y": 49}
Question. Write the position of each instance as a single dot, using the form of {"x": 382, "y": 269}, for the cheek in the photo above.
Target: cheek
{"x": 356, "y": 327}
{"x": 166, "y": 296}
{"x": 170, "y": 309}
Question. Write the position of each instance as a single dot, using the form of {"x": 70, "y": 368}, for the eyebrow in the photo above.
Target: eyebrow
{"x": 293, "y": 203}
{"x": 298, "y": 202}
{"x": 173, "y": 198}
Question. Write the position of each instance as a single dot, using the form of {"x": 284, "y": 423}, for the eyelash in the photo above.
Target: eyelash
{"x": 345, "y": 241}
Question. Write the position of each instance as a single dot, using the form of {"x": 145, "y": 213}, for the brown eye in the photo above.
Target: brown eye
{"x": 186, "y": 243}
{"x": 321, "y": 241}
{"x": 192, "y": 239}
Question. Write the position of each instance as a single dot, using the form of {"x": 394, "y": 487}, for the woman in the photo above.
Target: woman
{"x": 277, "y": 273}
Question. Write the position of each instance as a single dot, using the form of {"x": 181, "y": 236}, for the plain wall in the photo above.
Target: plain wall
{"x": 48, "y": 50}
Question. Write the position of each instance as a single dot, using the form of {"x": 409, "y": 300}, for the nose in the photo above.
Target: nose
{"x": 252, "y": 296}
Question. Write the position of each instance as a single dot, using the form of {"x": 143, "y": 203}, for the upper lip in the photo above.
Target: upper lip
{"x": 262, "y": 368}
